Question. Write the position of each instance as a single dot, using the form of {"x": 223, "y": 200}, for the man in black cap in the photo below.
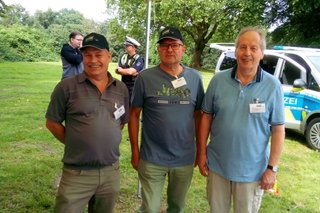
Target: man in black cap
{"x": 130, "y": 63}
{"x": 87, "y": 113}
{"x": 169, "y": 96}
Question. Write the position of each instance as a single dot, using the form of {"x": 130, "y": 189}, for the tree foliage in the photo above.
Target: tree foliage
{"x": 296, "y": 17}
{"x": 3, "y": 8}
{"x": 200, "y": 21}
{"x": 20, "y": 43}
{"x": 41, "y": 36}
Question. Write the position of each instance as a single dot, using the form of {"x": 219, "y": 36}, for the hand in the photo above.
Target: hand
{"x": 268, "y": 179}
{"x": 201, "y": 160}
{"x": 135, "y": 74}
{"x": 135, "y": 157}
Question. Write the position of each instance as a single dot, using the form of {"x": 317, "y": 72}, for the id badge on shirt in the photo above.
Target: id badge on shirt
{"x": 258, "y": 108}
{"x": 179, "y": 82}
{"x": 119, "y": 112}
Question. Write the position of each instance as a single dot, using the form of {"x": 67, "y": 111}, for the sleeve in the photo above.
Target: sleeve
{"x": 125, "y": 118}
{"x": 200, "y": 94}
{"x": 57, "y": 105}
{"x": 208, "y": 100}
{"x": 138, "y": 64}
{"x": 138, "y": 92}
{"x": 73, "y": 56}
{"x": 277, "y": 113}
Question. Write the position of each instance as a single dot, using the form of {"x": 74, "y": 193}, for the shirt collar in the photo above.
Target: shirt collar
{"x": 83, "y": 77}
{"x": 258, "y": 74}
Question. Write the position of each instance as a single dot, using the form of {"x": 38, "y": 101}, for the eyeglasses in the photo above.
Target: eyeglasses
{"x": 173, "y": 46}
{"x": 78, "y": 39}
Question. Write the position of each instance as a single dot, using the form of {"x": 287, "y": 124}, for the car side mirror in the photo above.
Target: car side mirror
{"x": 299, "y": 83}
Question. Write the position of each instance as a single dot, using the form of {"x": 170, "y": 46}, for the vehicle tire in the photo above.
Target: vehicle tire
{"x": 313, "y": 134}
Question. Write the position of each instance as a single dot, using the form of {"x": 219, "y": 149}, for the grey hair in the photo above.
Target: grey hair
{"x": 261, "y": 32}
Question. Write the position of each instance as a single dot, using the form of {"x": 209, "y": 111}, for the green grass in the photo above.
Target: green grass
{"x": 30, "y": 157}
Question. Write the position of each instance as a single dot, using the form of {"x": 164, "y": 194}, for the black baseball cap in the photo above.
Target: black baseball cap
{"x": 170, "y": 32}
{"x": 95, "y": 40}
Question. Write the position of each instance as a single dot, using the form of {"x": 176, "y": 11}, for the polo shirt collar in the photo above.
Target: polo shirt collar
{"x": 258, "y": 74}
{"x": 83, "y": 77}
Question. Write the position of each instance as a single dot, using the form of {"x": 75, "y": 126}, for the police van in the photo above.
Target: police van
{"x": 298, "y": 69}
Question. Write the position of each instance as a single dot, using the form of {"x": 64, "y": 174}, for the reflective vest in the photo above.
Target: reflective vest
{"x": 127, "y": 62}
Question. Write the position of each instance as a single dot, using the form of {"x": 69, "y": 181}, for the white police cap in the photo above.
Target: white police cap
{"x": 132, "y": 41}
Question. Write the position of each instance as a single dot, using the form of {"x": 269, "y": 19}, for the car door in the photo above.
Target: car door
{"x": 294, "y": 98}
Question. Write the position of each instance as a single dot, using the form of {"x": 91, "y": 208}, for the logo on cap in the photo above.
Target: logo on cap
{"x": 95, "y": 40}
{"x": 170, "y": 32}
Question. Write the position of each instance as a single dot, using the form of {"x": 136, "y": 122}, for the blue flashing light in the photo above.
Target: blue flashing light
{"x": 278, "y": 47}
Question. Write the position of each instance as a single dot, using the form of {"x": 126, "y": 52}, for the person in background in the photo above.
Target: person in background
{"x": 87, "y": 113}
{"x": 71, "y": 56}
{"x": 242, "y": 107}
{"x": 130, "y": 63}
{"x": 169, "y": 96}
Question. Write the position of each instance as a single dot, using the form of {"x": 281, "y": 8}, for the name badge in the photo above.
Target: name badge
{"x": 119, "y": 112}
{"x": 257, "y": 108}
{"x": 179, "y": 82}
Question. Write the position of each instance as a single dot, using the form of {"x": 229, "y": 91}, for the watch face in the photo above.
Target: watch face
{"x": 273, "y": 168}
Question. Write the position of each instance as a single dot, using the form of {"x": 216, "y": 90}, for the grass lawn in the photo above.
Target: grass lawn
{"x": 30, "y": 157}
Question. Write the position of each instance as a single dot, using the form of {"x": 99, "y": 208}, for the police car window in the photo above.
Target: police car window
{"x": 227, "y": 63}
{"x": 314, "y": 85}
{"x": 290, "y": 73}
{"x": 298, "y": 59}
{"x": 315, "y": 60}
{"x": 269, "y": 63}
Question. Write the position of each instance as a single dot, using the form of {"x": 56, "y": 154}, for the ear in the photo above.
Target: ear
{"x": 109, "y": 55}
{"x": 184, "y": 47}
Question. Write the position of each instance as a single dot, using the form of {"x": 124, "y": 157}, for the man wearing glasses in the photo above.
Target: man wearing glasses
{"x": 71, "y": 56}
{"x": 169, "y": 96}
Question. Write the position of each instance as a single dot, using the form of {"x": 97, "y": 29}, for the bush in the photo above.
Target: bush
{"x": 20, "y": 43}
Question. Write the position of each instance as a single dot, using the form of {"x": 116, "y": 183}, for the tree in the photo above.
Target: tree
{"x": 3, "y": 8}
{"x": 295, "y": 17}
{"x": 200, "y": 20}
{"x": 39, "y": 37}
{"x": 21, "y": 43}
{"x": 15, "y": 14}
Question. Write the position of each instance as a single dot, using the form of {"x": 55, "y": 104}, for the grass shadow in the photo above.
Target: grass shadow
{"x": 295, "y": 136}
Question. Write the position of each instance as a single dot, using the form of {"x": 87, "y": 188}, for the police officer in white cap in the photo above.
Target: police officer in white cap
{"x": 130, "y": 63}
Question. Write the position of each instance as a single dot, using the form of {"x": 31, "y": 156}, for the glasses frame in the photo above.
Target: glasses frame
{"x": 174, "y": 46}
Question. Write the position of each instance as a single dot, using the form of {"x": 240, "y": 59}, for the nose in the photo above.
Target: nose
{"x": 169, "y": 47}
{"x": 247, "y": 51}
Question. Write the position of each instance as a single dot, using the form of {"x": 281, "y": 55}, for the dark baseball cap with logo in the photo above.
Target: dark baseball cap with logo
{"x": 95, "y": 40}
{"x": 171, "y": 33}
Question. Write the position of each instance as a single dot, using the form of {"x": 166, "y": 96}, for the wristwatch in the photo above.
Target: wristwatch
{"x": 273, "y": 168}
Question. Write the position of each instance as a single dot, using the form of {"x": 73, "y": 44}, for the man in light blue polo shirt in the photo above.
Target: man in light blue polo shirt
{"x": 242, "y": 107}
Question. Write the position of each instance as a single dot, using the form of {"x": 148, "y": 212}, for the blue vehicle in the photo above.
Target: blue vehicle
{"x": 298, "y": 69}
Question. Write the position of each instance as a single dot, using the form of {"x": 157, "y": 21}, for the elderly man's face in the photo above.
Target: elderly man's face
{"x": 171, "y": 51}
{"x": 249, "y": 52}
{"x": 96, "y": 61}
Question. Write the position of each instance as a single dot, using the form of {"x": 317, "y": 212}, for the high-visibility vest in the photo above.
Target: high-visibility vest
{"x": 128, "y": 62}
